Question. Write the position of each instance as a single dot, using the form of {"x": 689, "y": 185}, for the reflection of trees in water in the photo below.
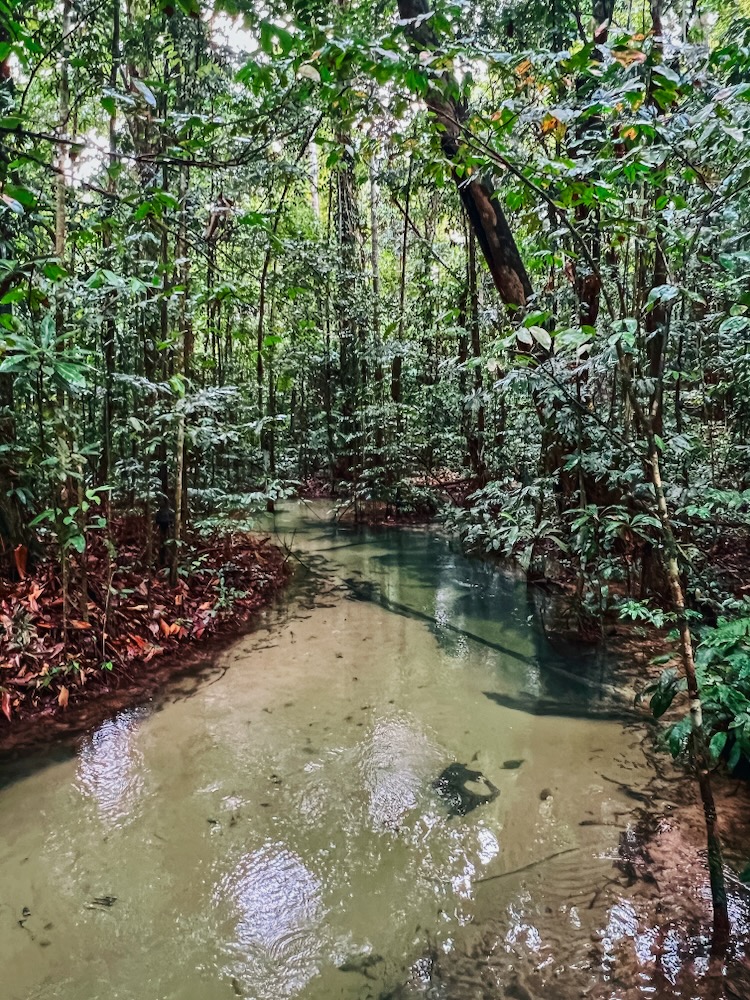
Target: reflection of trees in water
{"x": 537, "y": 681}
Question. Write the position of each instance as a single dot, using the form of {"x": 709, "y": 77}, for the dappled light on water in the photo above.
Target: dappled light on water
{"x": 277, "y": 912}
{"x": 111, "y": 771}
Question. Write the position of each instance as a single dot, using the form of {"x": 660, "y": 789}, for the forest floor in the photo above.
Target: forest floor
{"x": 131, "y": 631}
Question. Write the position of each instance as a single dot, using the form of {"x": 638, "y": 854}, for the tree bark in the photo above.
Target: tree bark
{"x": 699, "y": 748}
{"x": 482, "y": 207}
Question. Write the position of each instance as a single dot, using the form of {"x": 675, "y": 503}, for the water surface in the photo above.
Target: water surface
{"x": 276, "y": 834}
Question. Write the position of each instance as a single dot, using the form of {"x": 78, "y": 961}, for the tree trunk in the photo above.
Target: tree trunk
{"x": 376, "y": 334}
{"x": 700, "y": 755}
{"x": 483, "y": 208}
{"x": 178, "y": 514}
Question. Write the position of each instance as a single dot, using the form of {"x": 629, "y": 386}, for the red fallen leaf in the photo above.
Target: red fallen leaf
{"x": 20, "y": 555}
{"x": 62, "y": 698}
{"x": 5, "y": 705}
{"x": 79, "y": 624}
{"x": 164, "y": 627}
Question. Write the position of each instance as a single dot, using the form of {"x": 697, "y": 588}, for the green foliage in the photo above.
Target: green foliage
{"x": 723, "y": 671}
{"x": 269, "y": 277}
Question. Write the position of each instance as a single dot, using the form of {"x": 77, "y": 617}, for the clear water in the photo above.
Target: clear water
{"x": 275, "y": 834}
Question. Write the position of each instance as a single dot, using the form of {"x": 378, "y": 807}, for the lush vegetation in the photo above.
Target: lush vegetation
{"x": 408, "y": 253}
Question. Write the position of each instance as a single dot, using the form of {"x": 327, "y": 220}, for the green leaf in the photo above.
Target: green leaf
{"x": 717, "y": 744}
{"x": 20, "y": 194}
{"x": 78, "y": 542}
{"x": 273, "y": 34}
{"x": 734, "y": 324}
{"x": 54, "y": 271}
{"x": 664, "y": 693}
{"x": 541, "y": 336}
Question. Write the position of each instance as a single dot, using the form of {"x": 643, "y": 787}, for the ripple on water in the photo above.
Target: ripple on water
{"x": 396, "y": 761}
{"x": 111, "y": 769}
{"x": 276, "y": 915}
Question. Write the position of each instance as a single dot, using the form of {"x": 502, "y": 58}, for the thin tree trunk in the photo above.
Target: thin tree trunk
{"x": 314, "y": 181}
{"x": 700, "y": 755}
{"x": 178, "y": 514}
{"x": 376, "y": 334}
{"x": 109, "y": 327}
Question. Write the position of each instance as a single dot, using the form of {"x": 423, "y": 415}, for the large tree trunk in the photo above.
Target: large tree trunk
{"x": 482, "y": 207}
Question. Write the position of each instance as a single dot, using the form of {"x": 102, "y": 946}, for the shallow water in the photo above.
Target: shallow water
{"x": 275, "y": 833}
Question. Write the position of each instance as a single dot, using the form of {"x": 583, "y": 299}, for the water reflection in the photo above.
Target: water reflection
{"x": 397, "y": 762}
{"x": 111, "y": 770}
{"x": 277, "y": 910}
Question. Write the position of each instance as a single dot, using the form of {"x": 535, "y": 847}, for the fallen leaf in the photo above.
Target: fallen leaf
{"x": 20, "y": 554}
{"x": 79, "y": 624}
{"x": 5, "y": 705}
{"x": 62, "y": 698}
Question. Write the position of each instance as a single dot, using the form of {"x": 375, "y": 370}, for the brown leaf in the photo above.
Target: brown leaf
{"x": 79, "y": 624}
{"x": 20, "y": 555}
{"x": 62, "y": 698}
{"x": 164, "y": 627}
{"x": 5, "y": 704}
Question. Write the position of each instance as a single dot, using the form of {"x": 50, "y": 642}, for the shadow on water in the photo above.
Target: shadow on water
{"x": 463, "y": 600}
{"x": 15, "y": 766}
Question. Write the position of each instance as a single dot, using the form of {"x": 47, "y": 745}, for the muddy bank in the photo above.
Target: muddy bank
{"x": 62, "y": 673}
